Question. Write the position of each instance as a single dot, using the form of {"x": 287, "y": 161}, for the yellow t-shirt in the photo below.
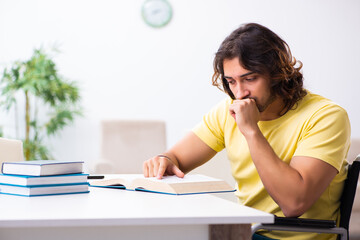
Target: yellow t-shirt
{"x": 316, "y": 128}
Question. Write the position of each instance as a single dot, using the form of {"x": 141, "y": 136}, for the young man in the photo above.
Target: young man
{"x": 287, "y": 147}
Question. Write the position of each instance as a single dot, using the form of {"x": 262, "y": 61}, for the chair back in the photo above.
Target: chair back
{"x": 348, "y": 195}
{"x": 11, "y": 150}
{"x": 126, "y": 144}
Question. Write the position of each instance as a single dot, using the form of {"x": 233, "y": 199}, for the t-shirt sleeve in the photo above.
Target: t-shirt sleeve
{"x": 326, "y": 136}
{"x": 211, "y": 129}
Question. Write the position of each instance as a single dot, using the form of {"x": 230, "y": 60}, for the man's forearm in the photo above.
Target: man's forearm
{"x": 190, "y": 152}
{"x": 284, "y": 183}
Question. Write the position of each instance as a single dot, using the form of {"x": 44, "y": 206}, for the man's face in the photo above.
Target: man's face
{"x": 246, "y": 84}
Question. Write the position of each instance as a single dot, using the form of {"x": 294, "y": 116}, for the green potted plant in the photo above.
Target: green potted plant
{"x": 44, "y": 91}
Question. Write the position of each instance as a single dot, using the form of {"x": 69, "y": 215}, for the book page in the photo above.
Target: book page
{"x": 116, "y": 179}
{"x": 187, "y": 179}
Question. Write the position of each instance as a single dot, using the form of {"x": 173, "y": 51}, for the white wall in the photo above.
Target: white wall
{"x": 128, "y": 70}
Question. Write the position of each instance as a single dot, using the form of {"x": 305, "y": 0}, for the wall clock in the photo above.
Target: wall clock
{"x": 156, "y": 13}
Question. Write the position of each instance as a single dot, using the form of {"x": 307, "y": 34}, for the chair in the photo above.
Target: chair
{"x": 10, "y": 151}
{"x": 323, "y": 226}
{"x": 354, "y": 230}
{"x": 126, "y": 144}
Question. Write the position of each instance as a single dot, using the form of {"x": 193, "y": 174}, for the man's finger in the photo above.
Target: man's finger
{"x": 145, "y": 169}
{"x": 177, "y": 171}
{"x": 156, "y": 167}
{"x": 162, "y": 169}
{"x": 151, "y": 168}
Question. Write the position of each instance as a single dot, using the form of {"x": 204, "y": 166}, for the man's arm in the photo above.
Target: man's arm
{"x": 295, "y": 187}
{"x": 189, "y": 153}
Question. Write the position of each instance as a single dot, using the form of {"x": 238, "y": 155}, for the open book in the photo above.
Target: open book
{"x": 190, "y": 184}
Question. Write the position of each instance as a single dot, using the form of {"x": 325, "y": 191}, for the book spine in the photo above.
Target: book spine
{"x": 2, "y": 167}
{"x": 46, "y": 185}
{"x": 38, "y": 195}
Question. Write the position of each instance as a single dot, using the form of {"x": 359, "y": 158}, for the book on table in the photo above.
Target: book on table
{"x": 42, "y": 167}
{"x": 24, "y": 180}
{"x": 42, "y": 190}
{"x": 190, "y": 184}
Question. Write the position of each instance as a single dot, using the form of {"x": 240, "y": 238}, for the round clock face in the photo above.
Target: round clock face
{"x": 157, "y": 13}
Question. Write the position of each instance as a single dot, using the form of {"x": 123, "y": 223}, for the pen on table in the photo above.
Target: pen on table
{"x": 95, "y": 176}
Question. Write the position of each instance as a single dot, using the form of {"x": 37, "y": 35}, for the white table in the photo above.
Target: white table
{"x": 119, "y": 214}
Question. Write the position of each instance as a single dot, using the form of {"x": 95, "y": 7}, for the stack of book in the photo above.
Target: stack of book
{"x": 43, "y": 177}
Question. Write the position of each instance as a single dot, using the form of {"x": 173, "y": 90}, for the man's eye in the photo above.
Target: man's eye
{"x": 250, "y": 79}
{"x": 230, "y": 82}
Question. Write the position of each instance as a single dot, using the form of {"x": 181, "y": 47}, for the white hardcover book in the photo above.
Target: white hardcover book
{"x": 42, "y": 190}
{"x": 24, "y": 180}
{"x": 42, "y": 167}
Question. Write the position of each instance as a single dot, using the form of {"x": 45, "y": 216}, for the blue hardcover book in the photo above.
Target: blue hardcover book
{"x": 43, "y": 190}
{"x": 190, "y": 184}
{"x": 42, "y": 167}
{"x": 23, "y": 180}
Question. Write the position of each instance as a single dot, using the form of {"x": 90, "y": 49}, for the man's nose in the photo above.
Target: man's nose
{"x": 241, "y": 92}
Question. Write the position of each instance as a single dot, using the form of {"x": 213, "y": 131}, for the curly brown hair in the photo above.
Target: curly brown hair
{"x": 262, "y": 51}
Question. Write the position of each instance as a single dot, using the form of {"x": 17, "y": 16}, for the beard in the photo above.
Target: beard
{"x": 269, "y": 100}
